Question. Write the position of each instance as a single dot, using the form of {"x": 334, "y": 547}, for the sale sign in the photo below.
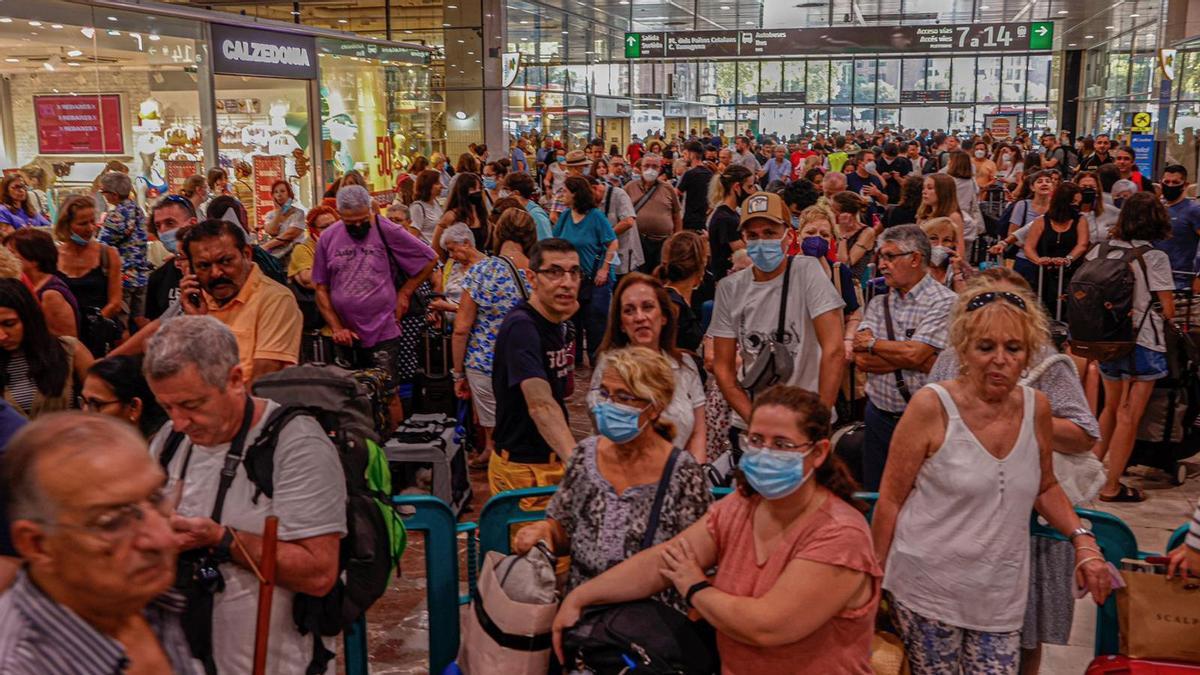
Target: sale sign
{"x": 267, "y": 170}
{"x": 178, "y": 171}
{"x": 79, "y": 125}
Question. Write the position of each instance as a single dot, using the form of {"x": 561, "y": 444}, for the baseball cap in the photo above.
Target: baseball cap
{"x": 765, "y": 206}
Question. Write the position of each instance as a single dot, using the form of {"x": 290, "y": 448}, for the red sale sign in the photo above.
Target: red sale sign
{"x": 267, "y": 170}
{"x": 79, "y": 125}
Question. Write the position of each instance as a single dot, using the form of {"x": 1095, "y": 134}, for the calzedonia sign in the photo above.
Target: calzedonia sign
{"x": 247, "y": 51}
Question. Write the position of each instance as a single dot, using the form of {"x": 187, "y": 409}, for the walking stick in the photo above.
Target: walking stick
{"x": 266, "y": 589}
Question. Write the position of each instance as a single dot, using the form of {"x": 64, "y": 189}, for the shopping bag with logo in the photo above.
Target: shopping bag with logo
{"x": 1159, "y": 618}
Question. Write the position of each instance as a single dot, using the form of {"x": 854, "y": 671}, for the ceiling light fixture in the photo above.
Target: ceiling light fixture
{"x": 1088, "y": 37}
{"x": 12, "y": 60}
{"x": 88, "y": 31}
{"x": 5, "y": 20}
{"x": 112, "y": 18}
{"x": 1063, "y": 11}
{"x": 343, "y": 21}
{"x": 73, "y": 64}
{"x": 153, "y": 37}
{"x": 56, "y": 26}
{"x": 35, "y": 24}
{"x": 1111, "y": 27}
{"x": 75, "y": 52}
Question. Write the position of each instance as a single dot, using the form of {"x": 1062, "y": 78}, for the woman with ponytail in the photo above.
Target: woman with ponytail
{"x": 601, "y": 511}
{"x": 797, "y": 581}
{"x": 682, "y": 271}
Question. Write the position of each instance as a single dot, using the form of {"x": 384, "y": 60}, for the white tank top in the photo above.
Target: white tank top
{"x": 960, "y": 553}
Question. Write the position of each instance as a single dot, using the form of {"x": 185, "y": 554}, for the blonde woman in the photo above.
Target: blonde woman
{"x": 601, "y": 510}
{"x": 945, "y": 263}
{"x": 939, "y": 199}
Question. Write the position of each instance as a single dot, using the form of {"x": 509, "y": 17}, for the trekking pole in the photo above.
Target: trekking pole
{"x": 266, "y": 590}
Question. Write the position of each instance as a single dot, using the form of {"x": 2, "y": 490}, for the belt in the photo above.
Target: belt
{"x": 887, "y": 413}
{"x": 552, "y": 458}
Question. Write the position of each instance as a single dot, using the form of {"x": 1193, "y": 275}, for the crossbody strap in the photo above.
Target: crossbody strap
{"x": 645, "y": 197}
{"x": 787, "y": 278}
{"x": 891, "y": 335}
{"x": 660, "y": 494}
{"x": 516, "y": 277}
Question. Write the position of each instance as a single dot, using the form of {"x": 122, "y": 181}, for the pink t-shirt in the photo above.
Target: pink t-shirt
{"x": 835, "y": 534}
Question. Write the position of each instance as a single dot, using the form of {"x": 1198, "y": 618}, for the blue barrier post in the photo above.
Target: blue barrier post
{"x": 503, "y": 511}
{"x": 434, "y": 518}
{"x": 356, "y": 647}
{"x": 1177, "y": 537}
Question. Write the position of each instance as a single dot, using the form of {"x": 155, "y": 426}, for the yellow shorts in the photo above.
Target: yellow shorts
{"x": 505, "y": 474}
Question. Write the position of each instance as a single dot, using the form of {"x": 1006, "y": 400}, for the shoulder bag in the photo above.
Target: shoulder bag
{"x": 891, "y": 335}
{"x": 774, "y": 363}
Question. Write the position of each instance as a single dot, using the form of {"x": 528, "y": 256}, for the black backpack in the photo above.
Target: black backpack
{"x": 1100, "y": 304}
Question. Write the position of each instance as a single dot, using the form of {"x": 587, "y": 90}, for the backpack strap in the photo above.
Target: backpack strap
{"x": 660, "y": 495}
{"x": 1135, "y": 253}
{"x": 233, "y": 458}
{"x": 260, "y": 456}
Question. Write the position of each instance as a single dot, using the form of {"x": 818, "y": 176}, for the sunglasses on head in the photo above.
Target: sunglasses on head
{"x": 985, "y": 299}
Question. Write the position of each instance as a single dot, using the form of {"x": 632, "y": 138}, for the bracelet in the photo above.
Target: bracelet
{"x": 1089, "y": 548}
{"x": 695, "y": 588}
{"x": 1085, "y": 561}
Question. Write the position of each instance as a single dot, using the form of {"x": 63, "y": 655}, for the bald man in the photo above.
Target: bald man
{"x": 89, "y": 512}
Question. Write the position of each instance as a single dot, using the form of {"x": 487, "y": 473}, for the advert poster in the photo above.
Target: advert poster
{"x": 79, "y": 125}
{"x": 1001, "y": 126}
{"x": 178, "y": 171}
{"x": 267, "y": 170}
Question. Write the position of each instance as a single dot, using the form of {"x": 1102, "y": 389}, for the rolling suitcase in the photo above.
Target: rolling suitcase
{"x": 1115, "y": 664}
{"x": 434, "y": 392}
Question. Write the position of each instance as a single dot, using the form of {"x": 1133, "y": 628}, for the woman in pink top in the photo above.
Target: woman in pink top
{"x": 797, "y": 583}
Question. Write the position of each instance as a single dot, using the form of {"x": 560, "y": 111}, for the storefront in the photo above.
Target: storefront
{"x": 169, "y": 92}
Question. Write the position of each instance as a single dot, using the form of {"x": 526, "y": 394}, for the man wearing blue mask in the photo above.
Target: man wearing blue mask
{"x": 899, "y": 338}
{"x": 168, "y": 218}
{"x": 782, "y": 316}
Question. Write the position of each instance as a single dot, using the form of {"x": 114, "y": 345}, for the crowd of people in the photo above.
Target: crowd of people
{"x": 727, "y": 302}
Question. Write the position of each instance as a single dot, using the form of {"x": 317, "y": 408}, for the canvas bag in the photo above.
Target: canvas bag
{"x": 503, "y": 632}
{"x": 1159, "y": 617}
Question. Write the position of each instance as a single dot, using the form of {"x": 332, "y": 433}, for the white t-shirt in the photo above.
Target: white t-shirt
{"x": 425, "y": 217}
{"x": 748, "y": 311}
{"x": 310, "y": 499}
{"x": 629, "y": 244}
{"x": 1158, "y": 268}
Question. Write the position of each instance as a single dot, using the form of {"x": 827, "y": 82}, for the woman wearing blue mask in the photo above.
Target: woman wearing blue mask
{"x": 601, "y": 511}
{"x": 796, "y": 582}
{"x": 91, "y": 270}
{"x": 284, "y": 227}
{"x": 494, "y": 174}
{"x": 816, "y": 232}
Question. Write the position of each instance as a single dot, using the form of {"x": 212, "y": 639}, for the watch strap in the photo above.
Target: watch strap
{"x": 694, "y": 589}
{"x": 223, "y": 552}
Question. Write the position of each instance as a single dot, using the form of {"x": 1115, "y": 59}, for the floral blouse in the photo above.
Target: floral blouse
{"x": 125, "y": 230}
{"x": 493, "y": 288}
{"x": 606, "y": 528}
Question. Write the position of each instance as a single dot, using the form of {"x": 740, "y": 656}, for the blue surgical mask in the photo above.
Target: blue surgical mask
{"x": 774, "y": 474}
{"x": 78, "y": 240}
{"x": 766, "y": 254}
{"x": 489, "y": 183}
{"x": 817, "y": 247}
{"x": 169, "y": 239}
{"x": 618, "y": 423}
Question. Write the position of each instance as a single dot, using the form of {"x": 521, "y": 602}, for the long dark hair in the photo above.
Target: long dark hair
{"x": 582, "y": 197}
{"x": 123, "y": 374}
{"x": 1061, "y": 202}
{"x": 426, "y": 179}
{"x": 615, "y": 337}
{"x": 460, "y": 202}
{"x": 5, "y": 199}
{"x": 45, "y": 354}
{"x": 813, "y": 420}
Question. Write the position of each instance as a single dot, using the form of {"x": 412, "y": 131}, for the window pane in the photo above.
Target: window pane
{"x": 962, "y": 119}
{"x": 887, "y": 117}
{"x": 1012, "y": 87}
{"x": 816, "y": 119}
{"x": 772, "y": 76}
{"x": 841, "y": 80}
{"x": 818, "y": 82}
{"x": 864, "y": 118}
{"x": 938, "y": 76}
{"x": 840, "y": 118}
{"x": 987, "y": 78}
{"x": 889, "y": 81}
{"x": 726, "y": 77}
{"x": 1118, "y": 74}
{"x": 925, "y": 117}
{"x": 685, "y": 81}
{"x": 1039, "y": 78}
{"x": 864, "y": 80}
{"x": 914, "y": 75}
{"x": 1140, "y": 72}
{"x": 962, "y": 86}
{"x": 793, "y": 76}
{"x": 747, "y": 82}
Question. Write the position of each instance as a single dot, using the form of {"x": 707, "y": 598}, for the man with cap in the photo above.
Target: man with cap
{"x": 577, "y": 161}
{"x": 808, "y": 351}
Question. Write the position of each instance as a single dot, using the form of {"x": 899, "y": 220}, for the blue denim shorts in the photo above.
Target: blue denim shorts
{"x": 1148, "y": 365}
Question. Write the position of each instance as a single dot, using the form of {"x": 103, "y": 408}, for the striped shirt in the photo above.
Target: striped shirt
{"x": 1193, "y": 535}
{"x": 38, "y": 636}
{"x": 22, "y": 390}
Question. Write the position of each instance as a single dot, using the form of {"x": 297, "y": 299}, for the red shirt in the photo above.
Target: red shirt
{"x": 634, "y": 152}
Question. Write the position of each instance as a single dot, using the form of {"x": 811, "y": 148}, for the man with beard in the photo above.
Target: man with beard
{"x": 221, "y": 280}
{"x": 355, "y": 269}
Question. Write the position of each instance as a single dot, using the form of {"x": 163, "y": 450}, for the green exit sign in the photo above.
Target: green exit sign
{"x": 633, "y": 45}
{"x": 1041, "y": 35}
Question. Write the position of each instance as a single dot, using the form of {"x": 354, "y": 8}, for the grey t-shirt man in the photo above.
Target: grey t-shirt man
{"x": 309, "y": 500}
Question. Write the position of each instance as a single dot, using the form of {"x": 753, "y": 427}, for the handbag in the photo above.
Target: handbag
{"x": 507, "y": 629}
{"x": 774, "y": 363}
{"x": 1157, "y": 616}
{"x": 1080, "y": 474}
{"x": 645, "y": 635}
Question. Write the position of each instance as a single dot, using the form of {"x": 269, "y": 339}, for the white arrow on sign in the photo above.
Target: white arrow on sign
{"x": 631, "y": 41}
{"x": 1041, "y": 31}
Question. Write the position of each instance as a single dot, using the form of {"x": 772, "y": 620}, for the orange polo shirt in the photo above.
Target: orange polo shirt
{"x": 265, "y": 319}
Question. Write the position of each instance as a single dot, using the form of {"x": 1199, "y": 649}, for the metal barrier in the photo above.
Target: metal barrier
{"x": 435, "y": 519}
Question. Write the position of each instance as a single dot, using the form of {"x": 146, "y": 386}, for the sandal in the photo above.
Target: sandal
{"x": 1125, "y": 494}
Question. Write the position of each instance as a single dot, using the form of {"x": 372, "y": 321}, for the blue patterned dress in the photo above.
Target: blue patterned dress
{"x": 493, "y": 288}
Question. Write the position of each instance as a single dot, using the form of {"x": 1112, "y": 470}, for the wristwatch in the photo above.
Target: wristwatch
{"x": 871, "y": 345}
{"x": 1080, "y": 532}
{"x": 457, "y": 376}
{"x": 222, "y": 551}
{"x": 695, "y": 588}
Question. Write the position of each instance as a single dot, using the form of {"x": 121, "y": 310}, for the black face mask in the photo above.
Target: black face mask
{"x": 1089, "y": 195}
{"x": 358, "y": 231}
{"x": 1172, "y": 192}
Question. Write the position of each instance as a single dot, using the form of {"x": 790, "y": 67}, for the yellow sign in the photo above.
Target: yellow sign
{"x": 1141, "y": 122}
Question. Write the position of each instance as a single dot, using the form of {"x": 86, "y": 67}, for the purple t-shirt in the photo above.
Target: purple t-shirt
{"x": 359, "y": 277}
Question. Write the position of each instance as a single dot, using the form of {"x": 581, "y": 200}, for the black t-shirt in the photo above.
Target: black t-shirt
{"x": 900, "y": 165}
{"x": 694, "y": 186}
{"x": 722, "y": 231}
{"x": 162, "y": 289}
{"x": 528, "y": 346}
{"x": 900, "y": 215}
{"x": 688, "y": 334}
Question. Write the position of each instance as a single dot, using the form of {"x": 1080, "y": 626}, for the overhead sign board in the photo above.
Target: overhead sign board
{"x": 249, "y": 51}
{"x": 1140, "y": 122}
{"x": 1013, "y": 36}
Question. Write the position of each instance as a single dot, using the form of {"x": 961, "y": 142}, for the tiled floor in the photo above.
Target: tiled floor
{"x": 398, "y": 630}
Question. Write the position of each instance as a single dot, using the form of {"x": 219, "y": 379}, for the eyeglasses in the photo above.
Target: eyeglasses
{"x": 600, "y": 395}
{"x": 121, "y": 523}
{"x": 554, "y": 272}
{"x": 95, "y": 404}
{"x": 893, "y": 257}
{"x": 757, "y": 442}
{"x": 985, "y": 299}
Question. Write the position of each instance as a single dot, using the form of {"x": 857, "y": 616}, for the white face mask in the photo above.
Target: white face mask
{"x": 649, "y": 174}
{"x": 869, "y": 167}
{"x": 980, "y": 154}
